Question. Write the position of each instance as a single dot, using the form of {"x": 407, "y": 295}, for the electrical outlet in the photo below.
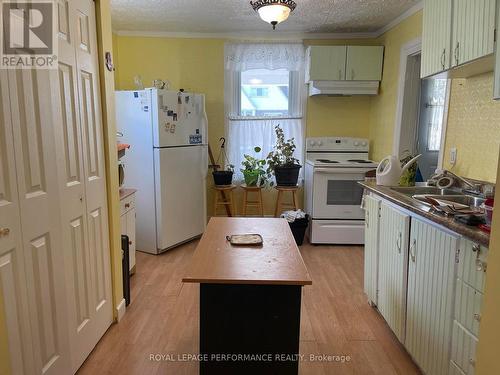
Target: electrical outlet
{"x": 453, "y": 156}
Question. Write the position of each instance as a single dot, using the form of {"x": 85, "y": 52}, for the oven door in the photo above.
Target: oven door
{"x": 337, "y": 194}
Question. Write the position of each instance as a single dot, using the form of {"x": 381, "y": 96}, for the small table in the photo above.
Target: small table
{"x": 257, "y": 204}
{"x": 226, "y": 200}
{"x": 250, "y": 298}
{"x": 280, "y": 204}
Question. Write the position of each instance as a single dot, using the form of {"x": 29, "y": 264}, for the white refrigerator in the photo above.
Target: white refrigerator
{"x": 167, "y": 164}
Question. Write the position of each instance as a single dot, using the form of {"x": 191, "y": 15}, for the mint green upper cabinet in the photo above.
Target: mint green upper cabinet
{"x": 473, "y": 30}
{"x": 364, "y": 63}
{"x": 326, "y": 63}
{"x": 436, "y": 37}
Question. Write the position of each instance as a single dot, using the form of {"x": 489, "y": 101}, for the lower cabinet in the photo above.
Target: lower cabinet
{"x": 471, "y": 273}
{"x": 127, "y": 220}
{"x": 372, "y": 213}
{"x": 431, "y": 289}
{"x": 392, "y": 265}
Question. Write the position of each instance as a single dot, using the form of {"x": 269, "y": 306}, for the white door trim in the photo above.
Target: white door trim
{"x": 414, "y": 47}
{"x": 445, "y": 125}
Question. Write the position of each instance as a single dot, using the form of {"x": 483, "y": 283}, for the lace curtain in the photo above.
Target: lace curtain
{"x": 241, "y": 57}
{"x": 245, "y": 133}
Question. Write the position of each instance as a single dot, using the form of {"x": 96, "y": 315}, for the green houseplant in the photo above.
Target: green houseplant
{"x": 409, "y": 176}
{"x": 254, "y": 171}
{"x": 281, "y": 161}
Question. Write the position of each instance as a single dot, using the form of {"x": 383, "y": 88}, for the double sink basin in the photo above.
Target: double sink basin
{"x": 424, "y": 194}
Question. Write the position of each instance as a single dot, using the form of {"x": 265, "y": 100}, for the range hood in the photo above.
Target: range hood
{"x": 343, "y": 88}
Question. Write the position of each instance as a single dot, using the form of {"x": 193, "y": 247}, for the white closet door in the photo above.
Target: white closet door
{"x": 33, "y": 134}
{"x": 82, "y": 180}
{"x": 12, "y": 279}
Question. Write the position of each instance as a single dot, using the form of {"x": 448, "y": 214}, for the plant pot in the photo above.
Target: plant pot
{"x": 251, "y": 177}
{"x": 222, "y": 178}
{"x": 287, "y": 175}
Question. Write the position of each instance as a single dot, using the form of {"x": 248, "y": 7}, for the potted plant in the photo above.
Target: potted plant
{"x": 409, "y": 176}
{"x": 281, "y": 162}
{"x": 253, "y": 171}
{"x": 225, "y": 176}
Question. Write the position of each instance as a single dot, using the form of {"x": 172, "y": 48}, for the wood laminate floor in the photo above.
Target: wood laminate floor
{"x": 162, "y": 320}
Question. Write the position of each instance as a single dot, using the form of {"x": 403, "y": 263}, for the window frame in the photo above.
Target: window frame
{"x": 293, "y": 101}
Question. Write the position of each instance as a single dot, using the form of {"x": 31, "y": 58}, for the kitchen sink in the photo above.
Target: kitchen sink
{"x": 467, "y": 200}
{"x": 421, "y": 190}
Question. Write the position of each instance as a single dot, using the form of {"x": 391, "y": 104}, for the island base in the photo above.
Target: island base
{"x": 249, "y": 329}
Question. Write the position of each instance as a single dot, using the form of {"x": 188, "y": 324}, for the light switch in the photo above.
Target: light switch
{"x": 453, "y": 156}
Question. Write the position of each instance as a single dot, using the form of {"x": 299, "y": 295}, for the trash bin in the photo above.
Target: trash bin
{"x": 299, "y": 227}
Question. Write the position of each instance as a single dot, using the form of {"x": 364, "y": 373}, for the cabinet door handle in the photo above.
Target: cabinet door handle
{"x": 481, "y": 266}
{"x": 399, "y": 242}
{"x": 457, "y": 50}
{"x": 477, "y": 317}
{"x": 476, "y": 248}
{"x": 130, "y": 242}
{"x": 367, "y": 219}
{"x": 413, "y": 247}
{"x": 443, "y": 59}
{"x": 127, "y": 205}
{"x": 4, "y": 232}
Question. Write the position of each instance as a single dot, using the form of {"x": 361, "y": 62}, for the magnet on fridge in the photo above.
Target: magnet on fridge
{"x": 172, "y": 128}
{"x": 175, "y": 116}
{"x": 167, "y": 126}
{"x": 187, "y": 99}
{"x": 170, "y": 112}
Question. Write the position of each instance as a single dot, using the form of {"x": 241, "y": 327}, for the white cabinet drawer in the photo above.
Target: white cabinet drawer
{"x": 127, "y": 204}
{"x": 463, "y": 349}
{"x": 468, "y": 303}
{"x": 472, "y": 264}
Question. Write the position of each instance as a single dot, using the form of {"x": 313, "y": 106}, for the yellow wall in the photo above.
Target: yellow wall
{"x": 383, "y": 109}
{"x": 473, "y": 128}
{"x": 198, "y": 65}
{"x": 105, "y": 43}
{"x": 487, "y": 354}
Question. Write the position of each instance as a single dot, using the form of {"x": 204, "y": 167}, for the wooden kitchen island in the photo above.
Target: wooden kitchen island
{"x": 250, "y": 298}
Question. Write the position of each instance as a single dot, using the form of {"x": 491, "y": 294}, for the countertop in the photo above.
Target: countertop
{"x": 473, "y": 233}
{"x": 276, "y": 262}
{"x": 124, "y": 193}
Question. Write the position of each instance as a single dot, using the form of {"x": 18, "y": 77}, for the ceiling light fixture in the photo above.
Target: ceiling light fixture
{"x": 273, "y": 11}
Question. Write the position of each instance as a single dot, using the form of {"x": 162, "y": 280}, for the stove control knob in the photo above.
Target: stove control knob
{"x": 356, "y": 144}
{"x": 312, "y": 143}
{"x": 364, "y": 144}
{"x": 320, "y": 143}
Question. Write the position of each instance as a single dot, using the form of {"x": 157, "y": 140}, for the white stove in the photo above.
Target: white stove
{"x": 334, "y": 165}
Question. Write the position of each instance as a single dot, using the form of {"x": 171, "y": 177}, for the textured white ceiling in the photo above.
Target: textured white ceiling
{"x": 230, "y": 16}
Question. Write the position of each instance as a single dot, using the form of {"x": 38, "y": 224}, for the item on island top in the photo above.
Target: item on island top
{"x": 245, "y": 239}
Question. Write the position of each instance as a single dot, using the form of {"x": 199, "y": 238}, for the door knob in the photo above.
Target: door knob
{"x": 4, "y": 232}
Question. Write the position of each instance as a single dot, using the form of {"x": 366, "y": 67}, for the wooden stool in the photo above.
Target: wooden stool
{"x": 256, "y": 203}
{"x": 280, "y": 205}
{"x": 227, "y": 201}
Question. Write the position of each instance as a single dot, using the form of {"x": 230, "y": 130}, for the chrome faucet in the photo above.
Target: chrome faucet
{"x": 474, "y": 188}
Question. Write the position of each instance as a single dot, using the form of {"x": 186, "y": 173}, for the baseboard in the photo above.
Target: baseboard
{"x": 120, "y": 310}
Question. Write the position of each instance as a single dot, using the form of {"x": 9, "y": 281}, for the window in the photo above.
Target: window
{"x": 264, "y": 93}
{"x": 263, "y": 88}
